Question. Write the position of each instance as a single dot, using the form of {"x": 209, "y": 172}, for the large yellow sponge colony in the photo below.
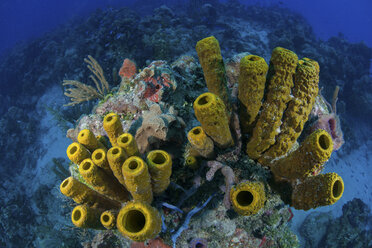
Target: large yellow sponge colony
{"x": 251, "y": 87}
{"x": 304, "y": 93}
{"x": 211, "y": 61}
{"x": 211, "y": 113}
{"x": 282, "y": 68}
{"x": 137, "y": 179}
{"x": 85, "y": 217}
{"x": 160, "y": 167}
{"x": 113, "y": 127}
{"x": 320, "y": 190}
{"x": 139, "y": 221}
{"x": 76, "y": 152}
{"x": 248, "y": 198}
{"x": 82, "y": 194}
{"x": 201, "y": 142}
{"x": 307, "y": 160}
{"x": 101, "y": 182}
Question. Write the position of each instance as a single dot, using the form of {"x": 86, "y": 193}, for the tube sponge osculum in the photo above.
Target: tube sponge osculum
{"x": 320, "y": 190}
{"x": 211, "y": 61}
{"x": 211, "y": 113}
{"x": 82, "y": 194}
{"x": 108, "y": 219}
{"x": 160, "y": 167}
{"x": 76, "y": 152}
{"x": 137, "y": 179}
{"x": 307, "y": 160}
{"x": 87, "y": 138}
{"x": 101, "y": 182}
{"x": 200, "y": 142}
{"x": 85, "y": 217}
{"x": 113, "y": 127}
{"x": 139, "y": 221}
{"x": 248, "y": 198}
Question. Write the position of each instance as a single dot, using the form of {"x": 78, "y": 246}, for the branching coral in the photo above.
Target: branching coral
{"x": 83, "y": 92}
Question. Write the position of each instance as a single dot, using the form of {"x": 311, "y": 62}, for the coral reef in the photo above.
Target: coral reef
{"x": 113, "y": 34}
{"x": 350, "y": 229}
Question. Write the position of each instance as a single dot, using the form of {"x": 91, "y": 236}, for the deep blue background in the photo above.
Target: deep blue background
{"x": 24, "y": 19}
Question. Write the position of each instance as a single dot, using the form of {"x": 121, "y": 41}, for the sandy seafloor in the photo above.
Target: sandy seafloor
{"x": 354, "y": 167}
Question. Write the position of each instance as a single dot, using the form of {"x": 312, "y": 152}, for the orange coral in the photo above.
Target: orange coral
{"x": 128, "y": 69}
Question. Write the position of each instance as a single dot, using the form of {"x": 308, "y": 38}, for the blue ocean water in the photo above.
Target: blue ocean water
{"x": 45, "y": 42}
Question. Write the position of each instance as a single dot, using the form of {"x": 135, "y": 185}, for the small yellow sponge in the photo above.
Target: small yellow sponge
{"x": 108, "y": 219}
{"x": 116, "y": 157}
{"x": 137, "y": 179}
{"x": 82, "y": 194}
{"x": 129, "y": 144}
{"x": 304, "y": 93}
{"x": 211, "y": 61}
{"x": 87, "y": 138}
{"x": 211, "y": 113}
{"x": 101, "y": 182}
{"x": 85, "y": 217}
{"x": 282, "y": 68}
{"x": 160, "y": 167}
{"x": 76, "y": 152}
{"x": 113, "y": 127}
{"x": 248, "y": 198}
{"x": 252, "y": 78}
{"x": 307, "y": 160}
{"x": 317, "y": 191}
{"x": 139, "y": 221}
{"x": 201, "y": 142}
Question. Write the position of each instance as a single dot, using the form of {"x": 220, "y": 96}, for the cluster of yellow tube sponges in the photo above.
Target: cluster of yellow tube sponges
{"x": 118, "y": 184}
{"x": 274, "y": 104}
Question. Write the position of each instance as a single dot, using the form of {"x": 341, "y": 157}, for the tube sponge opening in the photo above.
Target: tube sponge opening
{"x": 77, "y": 153}
{"x": 85, "y": 217}
{"x": 139, "y": 221}
{"x": 160, "y": 168}
{"x": 248, "y": 198}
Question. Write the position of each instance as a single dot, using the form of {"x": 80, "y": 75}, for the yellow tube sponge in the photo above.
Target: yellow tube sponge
{"x": 129, "y": 144}
{"x": 160, "y": 167}
{"x": 211, "y": 113}
{"x": 307, "y": 160}
{"x": 99, "y": 157}
{"x": 211, "y": 61}
{"x": 113, "y": 127}
{"x": 108, "y": 219}
{"x": 87, "y": 138}
{"x": 248, "y": 198}
{"x": 251, "y": 87}
{"x": 82, "y": 194}
{"x": 116, "y": 157}
{"x": 85, "y": 217}
{"x": 317, "y": 191}
{"x": 191, "y": 162}
{"x": 201, "y": 142}
{"x": 282, "y": 68}
{"x": 304, "y": 93}
{"x": 139, "y": 221}
{"x": 77, "y": 152}
{"x": 137, "y": 179}
{"x": 101, "y": 182}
